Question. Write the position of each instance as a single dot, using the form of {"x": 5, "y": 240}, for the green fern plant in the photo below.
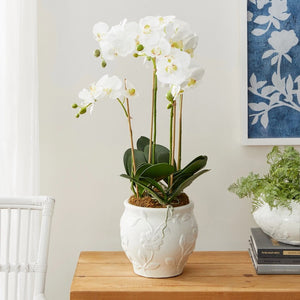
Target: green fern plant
{"x": 279, "y": 187}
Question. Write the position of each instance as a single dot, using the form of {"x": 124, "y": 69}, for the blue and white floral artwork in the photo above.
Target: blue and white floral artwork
{"x": 273, "y": 69}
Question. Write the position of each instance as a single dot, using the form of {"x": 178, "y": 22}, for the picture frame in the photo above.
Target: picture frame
{"x": 268, "y": 55}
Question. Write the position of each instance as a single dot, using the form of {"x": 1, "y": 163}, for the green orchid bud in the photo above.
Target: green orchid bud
{"x": 169, "y": 96}
{"x": 140, "y": 47}
{"x": 97, "y": 53}
{"x": 77, "y": 116}
{"x": 74, "y": 105}
{"x": 149, "y": 58}
{"x": 169, "y": 106}
{"x": 82, "y": 111}
{"x": 135, "y": 55}
{"x": 103, "y": 64}
{"x": 131, "y": 92}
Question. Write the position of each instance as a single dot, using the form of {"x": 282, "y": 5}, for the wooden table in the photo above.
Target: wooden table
{"x": 207, "y": 275}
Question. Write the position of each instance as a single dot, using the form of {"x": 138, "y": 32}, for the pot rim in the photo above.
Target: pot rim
{"x": 158, "y": 209}
{"x": 294, "y": 203}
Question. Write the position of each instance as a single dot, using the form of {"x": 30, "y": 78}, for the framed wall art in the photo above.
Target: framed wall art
{"x": 270, "y": 72}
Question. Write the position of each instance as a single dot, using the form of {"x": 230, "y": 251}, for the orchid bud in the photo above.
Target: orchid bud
{"x": 169, "y": 106}
{"x": 103, "y": 64}
{"x": 74, "y": 105}
{"x": 140, "y": 47}
{"x": 77, "y": 116}
{"x": 131, "y": 92}
{"x": 149, "y": 58}
{"x": 97, "y": 53}
{"x": 82, "y": 111}
{"x": 169, "y": 96}
{"x": 135, "y": 55}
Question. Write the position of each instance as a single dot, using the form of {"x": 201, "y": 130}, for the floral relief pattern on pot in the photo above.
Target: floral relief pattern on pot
{"x": 155, "y": 246}
{"x": 151, "y": 241}
{"x": 280, "y": 223}
{"x": 187, "y": 246}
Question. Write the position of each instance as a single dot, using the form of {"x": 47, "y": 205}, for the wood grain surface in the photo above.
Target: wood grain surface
{"x": 207, "y": 275}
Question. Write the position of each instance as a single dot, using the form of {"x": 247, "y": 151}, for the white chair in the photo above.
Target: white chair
{"x": 24, "y": 241}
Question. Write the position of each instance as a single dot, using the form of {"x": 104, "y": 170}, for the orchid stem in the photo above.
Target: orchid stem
{"x": 124, "y": 109}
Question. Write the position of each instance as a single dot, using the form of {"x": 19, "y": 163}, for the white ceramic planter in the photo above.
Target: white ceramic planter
{"x": 280, "y": 223}
{"x": 155, "y": 251}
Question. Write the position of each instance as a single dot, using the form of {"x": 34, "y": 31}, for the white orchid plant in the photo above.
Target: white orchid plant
{"x": 168, "y": 44}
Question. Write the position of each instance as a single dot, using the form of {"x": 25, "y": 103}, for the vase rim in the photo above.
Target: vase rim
{"x": 177, "y": 208}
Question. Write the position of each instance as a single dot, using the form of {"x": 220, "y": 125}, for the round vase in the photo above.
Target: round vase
{"x": 280, "y": 223}
{"x": 158, "y": 241}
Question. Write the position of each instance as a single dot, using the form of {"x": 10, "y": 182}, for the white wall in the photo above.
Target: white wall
{"x": 81, "y": 159}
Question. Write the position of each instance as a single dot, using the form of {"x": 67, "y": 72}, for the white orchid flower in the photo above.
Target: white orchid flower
{"x": 173, "y": 68}
{"x": 110, "y": 87}
{"x": 181, "y": 36}
{"x": 99, "y": 30}
{"x": 196, "y": 74}
{"x": 150, "y": 32}
{"x": 152, "y": 35}
{"x": 130, "y": 91}
{"x": 108, "y": 51}
{"x": 90, "y": 96}
{"x": 190, "y": 43}
{"x": 149, "y": 24}
{"x": 165, "y": 21}
{"x": 161, "y": 48}
{"x": 175, "y": 90}
{"x": 120, "y": 40}
{"x": 194, "y": 77}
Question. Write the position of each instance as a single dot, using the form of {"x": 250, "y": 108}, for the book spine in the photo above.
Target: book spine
{"x": 278, "y": 269}
{"x": 272, "y": 258}
{"x": 278, "y": 253}
{"x": 275, "y": 260}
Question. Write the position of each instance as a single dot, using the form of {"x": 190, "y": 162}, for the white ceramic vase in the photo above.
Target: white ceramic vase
{"x": 280, "y": 223}
{"x": 157, "y": 248}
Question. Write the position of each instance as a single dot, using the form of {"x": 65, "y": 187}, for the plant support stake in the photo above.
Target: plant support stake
{"x": 173, "y": 129}
{"x": 152, "y": 142}
{"x": 131, "y": 138}
{"x": 180, "y": 132}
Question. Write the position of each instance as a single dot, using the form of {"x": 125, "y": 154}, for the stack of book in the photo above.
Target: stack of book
{"x": 272, "y": 257}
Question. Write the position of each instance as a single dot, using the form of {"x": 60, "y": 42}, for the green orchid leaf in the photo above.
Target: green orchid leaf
{"x": 158, "y": 171}
{"x": 175, "y": 191}
{"x": 127, "y": 160}
{"x": 194, "y": 166}
{"x": 127, "y": 165}
{"x": 161, "y": 152}
{"x": 141, "y": 190}
{"x": 154, "y": 183}
{"x": 142, "y": 142}
{"x": 141, "y": 169}
{"x": 163, "y": 157}
{"x": 146, "y": 188}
